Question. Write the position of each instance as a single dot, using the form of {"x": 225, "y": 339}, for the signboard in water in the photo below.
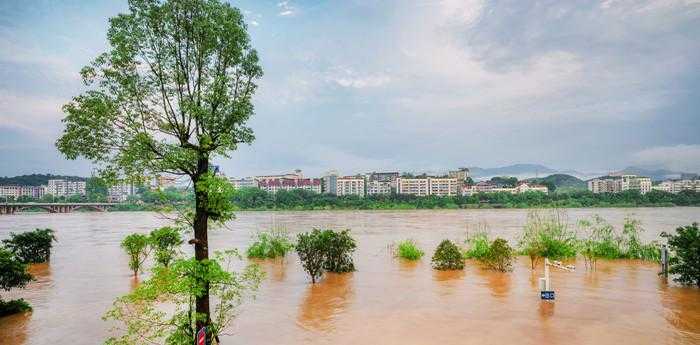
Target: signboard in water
{"x": 547, "y": 295}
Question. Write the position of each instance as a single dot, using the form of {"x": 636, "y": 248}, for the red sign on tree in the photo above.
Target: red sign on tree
{"x": 201, "y": 337}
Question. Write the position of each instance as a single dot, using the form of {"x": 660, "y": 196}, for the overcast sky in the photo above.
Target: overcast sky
{"x": 425, "y": 85}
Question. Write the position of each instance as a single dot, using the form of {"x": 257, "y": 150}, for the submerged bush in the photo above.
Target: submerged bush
{"x": 633, "y": 247}
{"x": 602, "y": 242}
{"x": 136, "y": 246}
{"x": 325, "y": 250}
{"x": 165, "y": 242}
{"x": 13, "y": 274}
{"x": 685, "y": 261}
{"x": 547, "y": 236}
{"x": 447, "y": 257}
{"x": 477, "y": 246}
{"x": 500, "y": 255}
{"x": 409, "y": 250}
{"x": 31, "y": 246}
{"x": 269, "y": 245}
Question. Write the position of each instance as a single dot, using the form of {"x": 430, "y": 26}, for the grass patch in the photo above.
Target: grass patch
{"x": 270, "y": 245}
{"x": 477, "y": 246}
{"x": 409, "y": 250}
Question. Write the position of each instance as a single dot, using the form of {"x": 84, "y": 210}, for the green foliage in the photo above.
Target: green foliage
{"x": 13, "y": 274}
{"x": 408, "y": 249}
{"x": 339, "y": 248}
{"x": 14, "y": 307}
{"x": 165, "y": 242}
{"x": 269, "y": 245}
{"x": 96, "y": 189}
{"x": 602, "y": 242}
{"x": 685, "y": 261}
{"x": 140, "y": 313}
{"x": 325, "y": 250}
{"x": 505, "y": 181}
{"x": 447, "y": 256}
{"x": 547, "y": 236}
{"x": 136, "y": 246}
{"x": 31, "y": 246}
{"x": 478, "y": 246}
{"x": 219, "y": 192}
{"x": 500, "y": 255}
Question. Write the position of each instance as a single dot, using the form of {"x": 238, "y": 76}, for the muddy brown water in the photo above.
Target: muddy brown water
{"x": 387, "y": 301}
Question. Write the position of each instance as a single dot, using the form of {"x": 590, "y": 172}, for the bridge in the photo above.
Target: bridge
{"x": 66, "y": 207}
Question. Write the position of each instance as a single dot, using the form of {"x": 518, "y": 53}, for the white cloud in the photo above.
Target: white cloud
{"x": 36, "y": 115}
{"x": 346, "y": 77}
{"x": 685, "y": 158}
{"x": 286, "y": 9}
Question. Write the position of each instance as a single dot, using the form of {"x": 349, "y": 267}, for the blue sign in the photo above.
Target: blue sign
{"x": 547, "y": 295}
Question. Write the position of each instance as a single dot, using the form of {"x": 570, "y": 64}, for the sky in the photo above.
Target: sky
{"x": 424, "y": 85}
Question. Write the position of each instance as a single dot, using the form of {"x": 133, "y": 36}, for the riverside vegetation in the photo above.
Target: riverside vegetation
{"x": 270, "y": 245}
{"x": 16, "y": 254}
{"x": 325, "y": 250}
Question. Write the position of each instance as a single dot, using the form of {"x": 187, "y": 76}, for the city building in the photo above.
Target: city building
{"x": 65, "y": 188}
{"x": 445, "y": 186}
{"x": 461, "y": 174}
{"x": 423, "y": 186}
{"x": 244, "y": 183}
{"x": 677, "y": 186}
{"x": 120, "y": 192}
{"x": 620, "y": 183}
{"x": 296, "y": 175}
{"x": 379, "y": 187}
{"x": 330, "y": 183}
{"x": 275, "y": 185}
{"x": 15, "y": 192}
{"x": 490, "y": 187}
{"x": 384, "y": 176}
{"x": 350, "y": 185}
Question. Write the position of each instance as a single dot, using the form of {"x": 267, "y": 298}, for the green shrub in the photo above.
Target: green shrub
{"x": 634, "y": 248}
{"x": 13, "y": 274}
{"x": 547, "y": 236}
{"x": 602, "y": 242}
{"x": 409, "y": 250}
{"x": 14, "y": 307}
{"x": 447, "y": 257}
{"x": 500, "y": 255}
{"x": 325, "y": 250}
{"x": 136, "y": 246}
{"x": 477, "y": 246}
{"x": 165, "y": 242}
{"x": 339, "y": 251}
{"x": 270, "y": 245}
{"x": 31, "y": 246}
{"x": 685, "y": 261}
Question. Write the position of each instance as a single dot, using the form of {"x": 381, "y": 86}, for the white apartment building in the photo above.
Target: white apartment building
{"x": 65, "y": 188}
{"x": 440, "y": 186}
{"x": 350, "y": 185}
{"x": 445, "y": 186}
{"x": 275, "y": 185}
{"x": 15, "y": 192}
{"x": 489, "y": 187}
{"x": 244, "y": 183}
{"x": 120, "y": 192}
{"x": 379, "y": 187}
{"x": 461, "y": 174}
{"x": 677, "y": 186}
{"x": 616, "y": 184}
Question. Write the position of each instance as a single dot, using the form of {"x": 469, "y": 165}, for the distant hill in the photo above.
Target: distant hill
{"x": 560, "y": 182}
{"x": 36, "y": 179}
{"x": 517, "y": 170}
{"x": 654, "y": 174}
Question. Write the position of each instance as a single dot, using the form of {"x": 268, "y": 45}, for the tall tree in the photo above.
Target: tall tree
{"x": 173, "y": 91}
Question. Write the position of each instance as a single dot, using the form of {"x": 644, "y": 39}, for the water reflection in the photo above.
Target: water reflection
{"x": 275, "y": 269}
{"x": 499, "y": 283}
{"x": 17, "y": 328}
{"x": 681, "y": 311}
{"x": 325, "y": 301}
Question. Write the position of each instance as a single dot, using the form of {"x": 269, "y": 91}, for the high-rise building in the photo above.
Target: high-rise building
{"x": 65, "y": 188}
{"x": 423, "y": 186}
{"x": 461, "y": 174}
{"x": 121, "y": 192}
{"x": 379, "y": 187}
{"x": 350, "y": 185}
{"x": 275, "y": 185}
{"x": 677, "y": 186}
{"x": 15, "y": 192}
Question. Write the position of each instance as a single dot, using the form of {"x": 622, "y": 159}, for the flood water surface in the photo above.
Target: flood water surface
{"x": 387, "y": 301}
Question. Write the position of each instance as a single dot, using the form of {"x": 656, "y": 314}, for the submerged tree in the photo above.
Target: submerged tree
{"x": 136, "y": 246}
{"x": 165, "y": 242}
{"x": 173, "y": 91}
{"x": 685, "y": 246}
{"x": 31, "y": 247}
{"x": 13, "y": 274}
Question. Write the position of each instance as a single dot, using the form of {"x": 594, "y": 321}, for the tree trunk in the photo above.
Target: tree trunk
{"x": 201, "y": 247}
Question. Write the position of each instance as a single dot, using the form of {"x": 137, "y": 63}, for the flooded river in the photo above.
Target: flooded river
{"x": 387, "y": 301}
